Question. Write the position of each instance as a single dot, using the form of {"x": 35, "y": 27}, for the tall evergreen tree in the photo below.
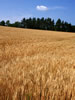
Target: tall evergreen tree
{"x": 63, "y": 26}
{"x": 68, "y": 27}
{"x": 23, "y": 23}
{"x": 38, "y": 23}
{"x": 58, "y": 26}
{"x": 42, "y": 24}
{"x": 48, "y": 23}
{"x": 52, "y": 25}
{"x": 34, "y": 23}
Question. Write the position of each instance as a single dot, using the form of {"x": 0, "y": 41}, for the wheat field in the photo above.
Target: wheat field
{"x": 36, "y": 64}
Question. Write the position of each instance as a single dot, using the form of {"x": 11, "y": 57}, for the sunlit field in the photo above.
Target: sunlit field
{"x": 36, "y": 64}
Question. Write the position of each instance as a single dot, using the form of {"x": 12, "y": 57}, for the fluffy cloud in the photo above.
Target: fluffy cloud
{"x": 45, "y": 8}
{"x": 42, "y": 8}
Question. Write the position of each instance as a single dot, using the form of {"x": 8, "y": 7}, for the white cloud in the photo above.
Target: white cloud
{"x": 42, "y": 8}
{"x": 45, "y": 8}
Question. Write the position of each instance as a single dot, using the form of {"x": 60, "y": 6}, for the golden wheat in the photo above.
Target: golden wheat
{"x": 36, "y": 65}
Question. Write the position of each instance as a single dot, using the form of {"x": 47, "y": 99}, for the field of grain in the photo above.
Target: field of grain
{"x": 36, "y": 65}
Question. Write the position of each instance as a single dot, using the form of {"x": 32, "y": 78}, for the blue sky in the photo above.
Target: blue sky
{"x": 15, "y": 10}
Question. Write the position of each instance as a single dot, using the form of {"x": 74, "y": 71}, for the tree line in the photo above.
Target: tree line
{"x": 41, "y": 23}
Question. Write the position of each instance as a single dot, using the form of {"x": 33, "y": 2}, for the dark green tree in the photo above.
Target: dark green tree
{"x": 23, "y": 23}
{"x": 16, "y": 24}
{"x": 8, "y": 23}
{"x": 62, "y": 26}
{"x": 52, "y": 25}
{"x": 34, "y": 24}
{"x": 58, "y": 26}
{"x": 42, "y": 24}
{"x": 73, "y": 28}
{"x": 29, "y": 23}
{"x": 38, "y": 23}
{"x": 2, "y": 23}
{"x": 48, "y": 23}
{"x": 68, "y": 27}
